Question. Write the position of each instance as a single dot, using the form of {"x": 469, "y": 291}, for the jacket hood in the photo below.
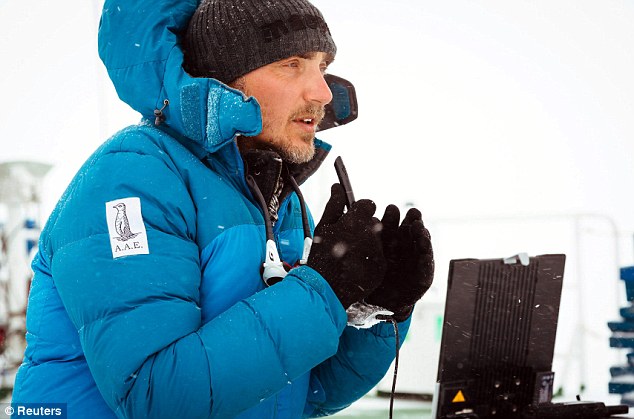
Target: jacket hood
{"x": 139, "y": 45}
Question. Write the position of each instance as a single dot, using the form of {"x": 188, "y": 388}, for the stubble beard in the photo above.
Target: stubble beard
{"x": 299, "y": 148}
{"x": 292, "y": 152}
{"x": 289, "y": 149}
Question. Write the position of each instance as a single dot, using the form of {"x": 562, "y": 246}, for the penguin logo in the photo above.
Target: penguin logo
{"x": 122, "y": 224}
{"x": 126, "y": 228}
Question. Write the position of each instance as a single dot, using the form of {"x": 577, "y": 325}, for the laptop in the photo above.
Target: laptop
{"x": 498, "y": 342}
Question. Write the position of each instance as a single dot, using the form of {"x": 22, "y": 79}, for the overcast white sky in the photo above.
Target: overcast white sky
{"x": 468, "y": 108}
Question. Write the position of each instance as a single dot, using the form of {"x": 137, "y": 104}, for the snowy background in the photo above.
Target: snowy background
{"x": 510, "y": 124}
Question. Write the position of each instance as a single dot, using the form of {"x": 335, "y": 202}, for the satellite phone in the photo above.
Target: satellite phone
{"x": 344, "y": 181}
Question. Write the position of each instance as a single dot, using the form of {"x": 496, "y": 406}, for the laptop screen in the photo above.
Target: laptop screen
{"x": 498, "y": 336}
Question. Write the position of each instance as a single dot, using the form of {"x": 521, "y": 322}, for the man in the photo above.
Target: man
{"x": 148, "y": 298}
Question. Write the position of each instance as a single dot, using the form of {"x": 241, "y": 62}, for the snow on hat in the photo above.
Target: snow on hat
{"x": 229, "y": 38}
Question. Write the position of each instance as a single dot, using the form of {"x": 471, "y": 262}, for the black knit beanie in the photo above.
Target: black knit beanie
{"x": 229, "y": 38}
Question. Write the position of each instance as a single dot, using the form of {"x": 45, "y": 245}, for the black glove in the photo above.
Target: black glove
{"x": 347, "y": 249}
{"x": 410, "y": 263}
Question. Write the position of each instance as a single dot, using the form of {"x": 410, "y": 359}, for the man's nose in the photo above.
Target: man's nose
{"x": 318, "y": 90}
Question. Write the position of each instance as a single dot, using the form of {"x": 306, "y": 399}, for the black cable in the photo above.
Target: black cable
{"x": 395, "y": 366}
{"x": 302, "y": 205}
{"x": 395, "y": 324}
{"x": 260, "y": 198}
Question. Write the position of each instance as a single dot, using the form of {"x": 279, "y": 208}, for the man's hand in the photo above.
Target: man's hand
{"x": 347, "y": 249}
{"x": 410, "y": 263}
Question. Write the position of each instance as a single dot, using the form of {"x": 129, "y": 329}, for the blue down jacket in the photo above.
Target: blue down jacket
{"x": 157, "y": 308}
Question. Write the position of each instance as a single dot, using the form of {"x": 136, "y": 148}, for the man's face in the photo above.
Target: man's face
{"x": 292, "y": 94}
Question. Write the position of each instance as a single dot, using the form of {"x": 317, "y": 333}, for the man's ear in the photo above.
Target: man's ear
{"x": 239, "y": 84}
{"x": 343, "y": 107}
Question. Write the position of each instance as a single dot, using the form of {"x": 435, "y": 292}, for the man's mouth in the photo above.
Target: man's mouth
{"x": 309, "y": 118}
{"x": 307, "y": 121}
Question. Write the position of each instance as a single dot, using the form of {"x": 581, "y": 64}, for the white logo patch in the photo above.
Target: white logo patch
{"x": 126, "y": 227}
